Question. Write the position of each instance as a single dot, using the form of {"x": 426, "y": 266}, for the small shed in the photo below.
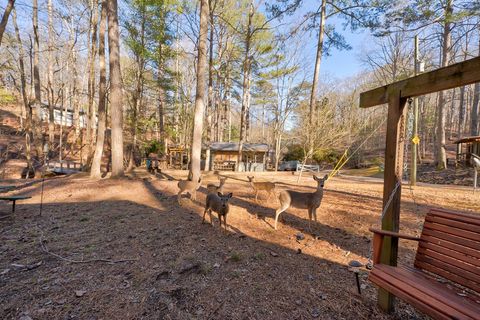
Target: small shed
{"x": 224, "y": 156}
{"x": 465, "y": 148}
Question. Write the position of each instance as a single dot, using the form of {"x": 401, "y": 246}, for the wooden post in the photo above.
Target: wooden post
{"x": 414, "y": 144}
{"x": 395, "y": 143}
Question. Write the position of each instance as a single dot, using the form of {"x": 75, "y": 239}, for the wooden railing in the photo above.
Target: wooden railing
{"x": 64, "y": 166}
{"x": 308, "y": 167}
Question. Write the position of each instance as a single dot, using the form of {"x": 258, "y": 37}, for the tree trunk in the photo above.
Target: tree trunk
{"x": 210, "y": 93}
{"x": 74, "y": 103}
{"x": 95, "y": 170}
{"x": 37, "y": 120}
{"x": 278, "y": 144}
{"x": 247, "y": 109}
{"x": 137, "y": 95}
{"x": 6, "y": 14}
{"x": 440, "y": 152}
{"x": 450, "y": 114}
{"x": 28, "y": 110}
{"x": 50, "y": 88}
{"x": 318, "y": 61}
{"x": 162, "y": 136}
{"x": 474, "y": 121}
{"x": 89, "y": 137}
{"x": 263, "y": 122}
{"x": 161, "y": 116}
{"x": 200, "y": 93}
{"x": 474, "y": 114}
{"x": 246, "y": 88}
{"x": 116, "y": 99}
{"x": 461, "y": 113}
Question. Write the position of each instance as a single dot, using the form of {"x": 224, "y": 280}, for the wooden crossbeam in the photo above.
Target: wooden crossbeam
{"x": 455, "y": 75}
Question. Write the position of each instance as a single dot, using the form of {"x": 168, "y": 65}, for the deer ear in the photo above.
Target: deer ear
{"x": 230, "y": 195}
{"x": 315, "y": 178}
{"x": 326, "y": 177}
{"x": 219, "y": 194}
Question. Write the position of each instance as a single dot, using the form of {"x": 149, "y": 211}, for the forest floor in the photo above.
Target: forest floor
{"x": 126, "y": 249}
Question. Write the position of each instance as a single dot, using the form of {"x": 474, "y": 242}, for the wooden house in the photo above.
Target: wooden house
{"x": 224, "y": 156}
{"x": 465, "y": 148}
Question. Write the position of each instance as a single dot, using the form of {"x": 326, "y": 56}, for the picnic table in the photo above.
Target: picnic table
{"x": 14, "y": 199}
{"x": 6, "y": 188}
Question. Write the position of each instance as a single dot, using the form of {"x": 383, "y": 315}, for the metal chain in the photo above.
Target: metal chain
{"x": 390, "y": 199}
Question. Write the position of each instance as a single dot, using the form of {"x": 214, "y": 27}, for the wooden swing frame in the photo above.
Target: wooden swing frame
{"x": 396, "y": 95}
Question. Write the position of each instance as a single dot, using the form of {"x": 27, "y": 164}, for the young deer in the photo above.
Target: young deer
{"x": 258, "y": 186}
{"x": 218, "y": 203}
{"x": 212, "y": 188}
{"x": 302, "y": 200}
{"x": 190, "y": 187}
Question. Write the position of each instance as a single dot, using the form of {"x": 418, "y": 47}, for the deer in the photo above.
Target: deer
{"x": 190, "y": 187}
{"x": 213, "y": 188}
{"x": 302, "y": 200}
{"x": 218, "y": 203}
{"x": 258, "y": 186}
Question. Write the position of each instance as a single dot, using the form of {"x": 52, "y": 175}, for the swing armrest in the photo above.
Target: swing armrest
{"x": 378, "y": 236}
{"x": 393, "y": 234}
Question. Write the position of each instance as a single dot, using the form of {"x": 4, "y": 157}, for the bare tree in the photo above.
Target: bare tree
{"x": 102, "y": 92}
{"x": 200, "y": 93}
{"x": 6, "y": 14}
{"x": 50, "y": 88}
{"x": 116, "y": 96}
{"x": 91, "y": 82}
{"x": 440, "y": 152}
{"x": 474, "y": 114}
{"x": 23, "y": 90}
{"x": 318, "y": 60}
{"x": 247, "y": 68}
{"x": 37, "y": 122}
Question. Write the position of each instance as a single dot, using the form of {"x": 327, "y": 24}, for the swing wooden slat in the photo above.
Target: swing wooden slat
{"x": 447, "y": 249}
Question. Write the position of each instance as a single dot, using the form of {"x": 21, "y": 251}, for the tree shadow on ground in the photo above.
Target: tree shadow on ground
{"x": 183, "y": 269}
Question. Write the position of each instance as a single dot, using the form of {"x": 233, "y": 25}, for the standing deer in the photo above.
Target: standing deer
{"x": 258, "y": 186}
{"x": 218, "y": 203}
{"x": 212, "y": 188}
{"x": 190, "y": 187}
{"x": 302, "y": 200}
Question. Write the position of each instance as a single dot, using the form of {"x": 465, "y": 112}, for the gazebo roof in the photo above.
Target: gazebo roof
{"x": 233, "y": 146}
{"x": 468, "y": 139}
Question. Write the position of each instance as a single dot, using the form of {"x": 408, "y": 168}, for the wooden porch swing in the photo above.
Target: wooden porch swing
{"x": 449, "y": 246}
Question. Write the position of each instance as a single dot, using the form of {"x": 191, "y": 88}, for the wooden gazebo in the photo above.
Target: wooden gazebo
{"x": 465, "y": 148}
{"x": 396, "y": 95}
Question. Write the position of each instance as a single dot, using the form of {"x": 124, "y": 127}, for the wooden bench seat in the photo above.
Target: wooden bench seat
{"x": 448, "y": 250}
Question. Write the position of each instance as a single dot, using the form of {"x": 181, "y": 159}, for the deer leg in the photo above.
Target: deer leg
{"x": 220, "y": 220}
{"x": 211, "y": 216}
{"x": 193, "y": 195}
{"x": 314, "y": 211}
{"x": 179, "y": 196}
{"x": 225, "y": 222}
{"x": 256, "y": 196}
{"x": 310, "y": 215}
{"x": 204, "y": 213}
{"x": 277, "y": 214}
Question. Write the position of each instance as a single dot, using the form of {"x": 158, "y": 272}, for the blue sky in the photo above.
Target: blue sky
{"x": 342, "y": 64}
{"x": 339, "y": 64}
